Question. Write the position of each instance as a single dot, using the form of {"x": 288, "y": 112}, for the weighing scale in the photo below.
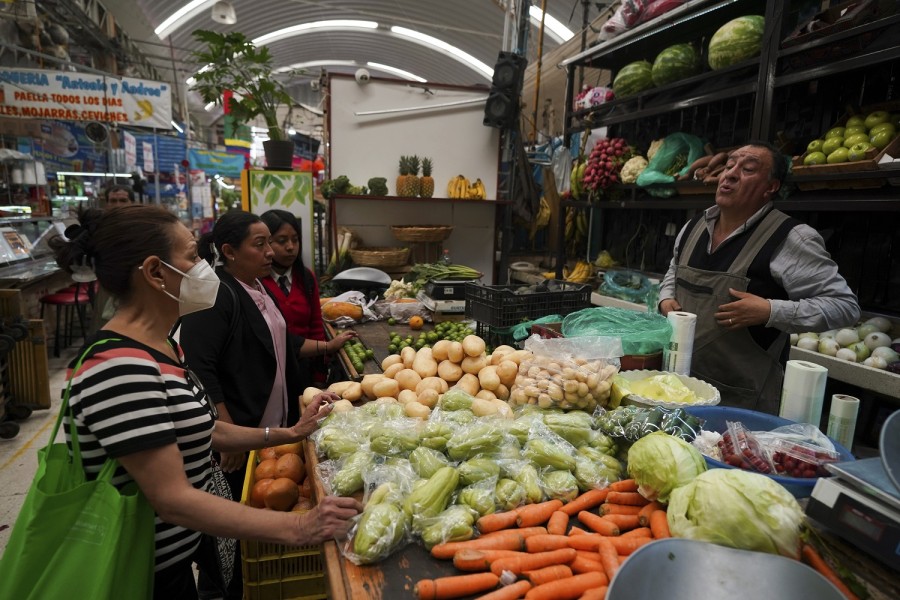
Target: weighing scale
{"x": 861, "y": 502}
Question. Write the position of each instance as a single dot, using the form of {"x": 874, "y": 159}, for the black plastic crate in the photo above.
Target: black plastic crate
{"x": 495, "y": 336}
{"x": 500, "y": 305}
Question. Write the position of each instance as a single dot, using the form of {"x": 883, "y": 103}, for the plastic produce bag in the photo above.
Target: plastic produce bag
{"x": 740, "y": 448}
{"x": 626, "y": 284}
{"x": 626, "y": 17}
{"x": 798, "y": 450}
{"x": 479, "y": 496}
{"x": 359, "y": 299}
{"x": 633, "y": 422}
{"x": 658, "y": 7}
{"x": 640, "y": 332}
{"x": 674, "y": 157}
{"x": 455, "y": 524}
{"x": 383, "y": 527}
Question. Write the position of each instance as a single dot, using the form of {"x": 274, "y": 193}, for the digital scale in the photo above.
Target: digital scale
{"x": 861, "y": 502}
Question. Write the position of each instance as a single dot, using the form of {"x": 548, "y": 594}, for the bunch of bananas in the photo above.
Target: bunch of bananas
{"x": 541, "y": 220}
{"x": 576, "y": 178}
{"x": 460, "y": 187}
{"x": 583, "y": 272}
{"x": 576, "y": 231}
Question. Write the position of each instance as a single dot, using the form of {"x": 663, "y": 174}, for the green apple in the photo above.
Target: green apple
{"x": 883, "y": 127}
{"x": 853, "y": 130}
{"x": 834, "y": 132}
{"x": 881, "y": 139}
{"x": 815, "y": 146}
{"x": 858, "y": 151}
{"x": 851, "y": 141}
{"x": 856, "y": 121}
{"x": 815, "y": 158}
{"x": 874, "y": 118}
{"x": 838, "y": 156}
{"x": 831, "y": 144}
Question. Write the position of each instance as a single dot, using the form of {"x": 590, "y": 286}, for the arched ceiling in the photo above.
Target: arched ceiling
{"x": 477, "y": 27}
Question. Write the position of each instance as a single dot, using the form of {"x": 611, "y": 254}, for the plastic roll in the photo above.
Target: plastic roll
{"x": 803, "y": 392}
{"x": 677, "y": 356}
{"x": 842, "y": 419}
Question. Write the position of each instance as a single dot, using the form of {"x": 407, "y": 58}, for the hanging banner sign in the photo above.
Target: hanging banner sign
{"x": 70, "y": 96}
{"x": 211, "y": 162}
{"x": 130, "y": 150}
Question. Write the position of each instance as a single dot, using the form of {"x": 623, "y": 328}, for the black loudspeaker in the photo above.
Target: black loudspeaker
{"x": 502, "y": 107}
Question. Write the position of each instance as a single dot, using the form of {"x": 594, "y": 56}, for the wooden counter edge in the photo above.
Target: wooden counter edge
{"x": 331, "y": 556}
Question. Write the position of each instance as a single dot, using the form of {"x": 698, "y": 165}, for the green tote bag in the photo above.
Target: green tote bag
{"x": 78, "y": 538}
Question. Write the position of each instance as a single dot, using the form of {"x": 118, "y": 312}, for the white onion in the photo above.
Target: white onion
{"x": 883, "y": 324}
{"x": 862, "y": 351}
{"x": 846, "y": 354}
{"x": 808, "y": 343}
{"x": 794, "y": 338}
{"x": 846, "y": 336}
{"x": 865, "y": 329}
{"x": 828, "y": 346}
{"x": 889, "y": 355}
{"x": 875, "y": 362}
{"x": 877, "y": 339}
{"x": 828, "y": 334}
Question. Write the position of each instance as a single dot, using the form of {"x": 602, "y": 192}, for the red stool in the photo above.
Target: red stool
{"x": 67, "y": 302}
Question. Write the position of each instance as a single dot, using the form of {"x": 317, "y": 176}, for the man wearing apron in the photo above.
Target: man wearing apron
{"x": 752, "y": 275}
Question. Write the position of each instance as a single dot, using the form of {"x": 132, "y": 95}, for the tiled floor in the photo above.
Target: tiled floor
{"x": 18, "y": 456}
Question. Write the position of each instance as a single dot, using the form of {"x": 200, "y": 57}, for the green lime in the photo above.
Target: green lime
{"x": 392, "y": 348}
{"x": 370, "y": 353}
{"x": 391, "y": 321}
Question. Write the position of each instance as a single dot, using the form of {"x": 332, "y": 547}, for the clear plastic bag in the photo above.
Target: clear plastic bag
{"x": 656, "y": 8}
{"x": 741, "y": 448}
{"x": 626, "y": 17}
{"x": 639, "y": 332}
{"x": 567, "y": 373}
{"x": 633, "y": 422}
{"x": 798, "y": 450}
{"x": 455, "y": 524}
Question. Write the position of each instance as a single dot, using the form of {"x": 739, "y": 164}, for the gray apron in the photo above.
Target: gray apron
{"x": 746, "y": 375}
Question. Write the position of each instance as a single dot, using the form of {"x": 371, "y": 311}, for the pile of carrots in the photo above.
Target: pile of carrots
{"x": 551, "y": 557}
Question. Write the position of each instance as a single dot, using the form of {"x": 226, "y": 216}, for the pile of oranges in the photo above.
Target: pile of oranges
{"x": 280, "y": 480}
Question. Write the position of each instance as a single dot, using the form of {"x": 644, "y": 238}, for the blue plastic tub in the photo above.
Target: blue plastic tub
{"x": 715, "y": 418}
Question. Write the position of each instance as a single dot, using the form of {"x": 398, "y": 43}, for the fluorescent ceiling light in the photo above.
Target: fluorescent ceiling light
{"x": 177, "y": 127}
{"x": 333, "y": 25}
{"x": 444, "y": 48}
{"x": 86, "y": 174}
{"x": 395, "y": 71}
{"x": 181, "y": 16}
{"x": 559, "y": 32}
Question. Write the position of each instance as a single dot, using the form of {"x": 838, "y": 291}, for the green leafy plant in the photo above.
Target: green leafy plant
{"x": 233, "y": 62}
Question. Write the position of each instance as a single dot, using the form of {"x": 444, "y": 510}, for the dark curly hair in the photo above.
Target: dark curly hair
{"x": 114, "y": 241}
{"x": 232, "y": 228}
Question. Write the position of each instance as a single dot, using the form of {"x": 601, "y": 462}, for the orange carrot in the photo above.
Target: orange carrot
{"x": 537, "y": 514}
{"x": 598, "y": 524}
{"x": 585, "y": 565}
{"x": 812, "y": 557}
{"x": 626, "y": 546}
{"x": 558, "y": 523}
{"x": 524, "y": 532}
{"x": 623, "y": 522}
{"x": 548, "y": 574}
{"x": 626, "y": 485}
{"x": 513, "y": 591}
{"x": 638, "y": 532}
{"x": 496, "y": 521}
{"x": 644, "y": 515}
{"x": 595, "y": 594}
{"x": 659, "y": 525}
{"x": 576, "y": 530}
{"x": 530, "y": 562}
{"x": 585, "y": 501}
{"x": 628, "y": 498}
{"x": 588, "y": 542}
{"x": 455, "y": 586}
{"x": 609, "y": 558}
{"x": 544, "y": 543}
{"x": 512, "y": 541}
{"x": 608, "y": 508}
{"x": 588, "y": 554}
{"x": 566, "y": 589}
{"x": 480, "y": 560}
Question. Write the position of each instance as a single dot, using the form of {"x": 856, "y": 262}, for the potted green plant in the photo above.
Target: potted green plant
{"x": 232, "y": 62}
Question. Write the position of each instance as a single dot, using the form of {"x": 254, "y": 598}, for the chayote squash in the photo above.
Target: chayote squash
{"x": 479, "y": 438}
{"x": 527, "y": 477}
{"x": 544, "y": 453}
{"x": 520, "y": 428}
{"x": 381, "y": 529}
{"x": 509, "y": 494}
{"x": 479, "y": 498}
{"x": 455, "y": 524}
{"x": 336, "y": 443}
{"x": 349, "y": 477}
{"x": 393, "y": 439}
{"x": 573, "y": 426}
{"x": 560, "y": 485}
{"x": 388, "y": 491}
{"x": 598, "y": 457}
{"x": 602, "y": 442}
{"x": 456, "y": 399}
{"x": 435, "y": 435}
{"x": 463, "y": 416}
{"x": 431, "y": 498}
{"x": 477, "y": 469}
{"x": 426, "y": 462}
{"x": 591, "y": 475}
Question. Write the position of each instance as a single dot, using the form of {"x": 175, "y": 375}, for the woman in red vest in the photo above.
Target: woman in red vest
{"x": 294, "y": 286}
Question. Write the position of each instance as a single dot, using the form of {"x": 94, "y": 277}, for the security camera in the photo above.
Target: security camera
{"x": 314, "y": 84}
{"x": 362, "y": 76}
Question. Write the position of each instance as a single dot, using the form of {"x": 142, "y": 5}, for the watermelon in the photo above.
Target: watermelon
{"x": 674, "y": 63}
{"x": 633, "y": 78}
{"x": 736, "y": 40}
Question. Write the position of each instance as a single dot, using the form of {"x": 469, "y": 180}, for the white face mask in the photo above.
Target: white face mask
{"x": 198, "y": 288}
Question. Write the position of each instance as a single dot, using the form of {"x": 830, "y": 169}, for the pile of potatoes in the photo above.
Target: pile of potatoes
{"x": 567, "y": 383}
{"x": 416, "y": 379}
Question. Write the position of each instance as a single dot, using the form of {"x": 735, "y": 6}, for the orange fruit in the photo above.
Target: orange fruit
{"x": 267, "y": 453}
{"x": 282, "y": 494}
{"x": 288, "y": 449}
{"x": 266, "y": 469}
{"x": 306, "y": 488}
{"x": 303, "y": 505}
{"x": 416, "y": 322}
{"x": 290, "y": 466}
{"x": 258, "y": 493}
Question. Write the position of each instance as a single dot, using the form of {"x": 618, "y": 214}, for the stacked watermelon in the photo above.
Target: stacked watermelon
{"x": 633, "y": 78}
{"x": 674, "y": 63}
{"x": 737, "y": 40}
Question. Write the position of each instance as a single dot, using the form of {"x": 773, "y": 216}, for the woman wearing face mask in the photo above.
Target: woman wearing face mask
{"x": 134, "y": 399}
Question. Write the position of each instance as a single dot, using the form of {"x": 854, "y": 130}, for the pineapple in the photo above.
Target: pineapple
{"x": 412, "y": 184}
{"x": 426, "y": 183}
{"x": 400, "y": 190}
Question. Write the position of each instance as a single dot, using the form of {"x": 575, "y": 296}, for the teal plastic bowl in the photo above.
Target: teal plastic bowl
{"x": 715, "y": 418}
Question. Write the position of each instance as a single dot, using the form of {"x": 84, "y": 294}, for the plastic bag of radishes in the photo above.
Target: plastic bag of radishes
{"x": 798, "y": 450}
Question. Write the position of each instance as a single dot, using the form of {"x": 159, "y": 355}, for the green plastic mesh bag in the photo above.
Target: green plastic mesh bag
{"x": 677, "y": 153}
{"x": 641, "y": 332}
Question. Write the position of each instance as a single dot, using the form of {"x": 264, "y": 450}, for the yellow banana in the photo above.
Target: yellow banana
{"x": 451, "y": 188}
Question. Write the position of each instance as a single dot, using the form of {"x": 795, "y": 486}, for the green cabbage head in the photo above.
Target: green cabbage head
{"x": 739, "y": 509}
{"x": 660, "y": 462}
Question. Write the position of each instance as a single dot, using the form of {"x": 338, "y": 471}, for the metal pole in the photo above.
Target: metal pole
{"x": 537, "y": 82}
{"x": 157, "y": 199}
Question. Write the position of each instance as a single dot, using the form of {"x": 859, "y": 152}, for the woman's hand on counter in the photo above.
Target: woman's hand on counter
{"x": 319, "y": 408}
{"x": 336, "y": 343}
{"x": 329, "y": 519}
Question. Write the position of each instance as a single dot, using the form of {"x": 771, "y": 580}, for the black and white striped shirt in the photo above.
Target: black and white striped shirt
{"x": 127, "y": 398}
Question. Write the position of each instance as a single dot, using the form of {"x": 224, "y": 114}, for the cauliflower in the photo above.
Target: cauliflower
{"x": 633, "y": 168}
